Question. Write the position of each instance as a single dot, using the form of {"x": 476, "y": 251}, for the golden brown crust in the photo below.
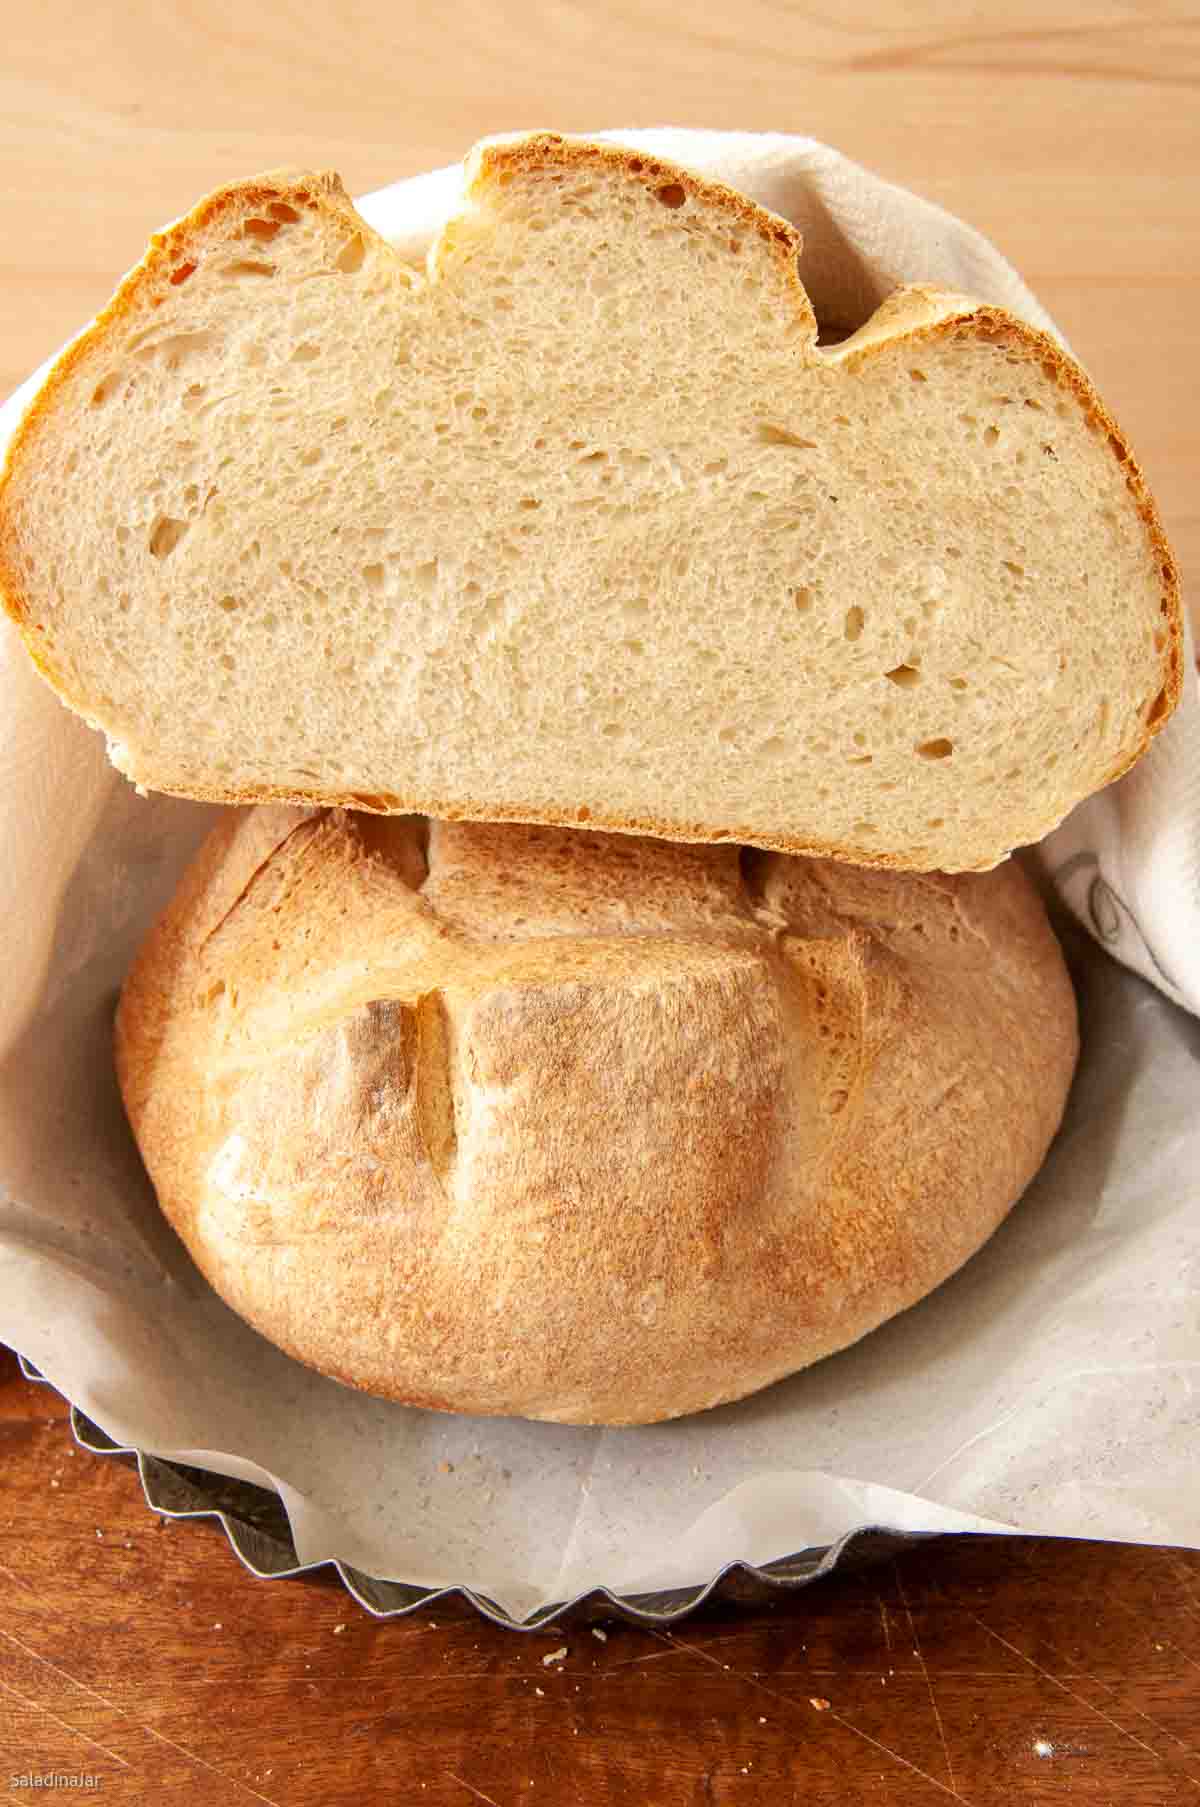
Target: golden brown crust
{"x": 917, "y": 313}
{"x": 555, "y": 1124}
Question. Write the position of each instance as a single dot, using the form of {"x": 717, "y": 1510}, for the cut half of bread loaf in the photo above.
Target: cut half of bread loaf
{"x": 580, "y": 523}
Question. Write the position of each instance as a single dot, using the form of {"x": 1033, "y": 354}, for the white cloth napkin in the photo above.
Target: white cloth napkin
{"x": 1126, "y": 862}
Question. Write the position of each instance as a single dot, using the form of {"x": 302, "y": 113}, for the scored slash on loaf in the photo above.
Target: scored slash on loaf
{"x": 580, "y": 523}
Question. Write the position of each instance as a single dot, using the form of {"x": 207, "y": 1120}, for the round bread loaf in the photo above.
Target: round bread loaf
{"x": 576, "y": 1126}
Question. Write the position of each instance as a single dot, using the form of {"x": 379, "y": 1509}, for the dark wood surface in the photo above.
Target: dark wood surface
{"x": 987, "y": 1671}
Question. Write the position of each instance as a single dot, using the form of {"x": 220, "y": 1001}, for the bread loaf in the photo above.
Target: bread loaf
{"x": 579, "y": 1126}
{"x": 581, "y": 524}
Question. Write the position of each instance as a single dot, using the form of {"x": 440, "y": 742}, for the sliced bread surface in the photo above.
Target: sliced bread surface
{"x": 580, "y": 524}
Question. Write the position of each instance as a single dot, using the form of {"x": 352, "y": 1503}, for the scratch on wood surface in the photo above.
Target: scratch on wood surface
{"x": 19, "y": 1579}
{"x": 1098, "y": 1682}
{"x": 1082, "y": 1701}
{"x": 1186, "y": 1580}
{"x": 477, "y": 1792}
{"x": 629, "y": 1662}
{"x": 917, "y": 1652}
{"x": 1184, "y": 1597}
{"x": 656, "y": 1656}
{"x": 1190, "y": 1606}
{"x": 1170, "y": 1644}
{"x": 883, "y": 1620}
{"x": 138, "y": 1724}
{"x": 830, "y": 1714}
{"x": 64, "y": 1723}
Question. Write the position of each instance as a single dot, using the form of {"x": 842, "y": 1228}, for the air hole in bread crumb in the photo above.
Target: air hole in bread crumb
{"x": 1017, "y": 570}
{"x": 165, "y": 535}
{"x": 864, "y": 828}
{"x": 105, "y": 388}
{"x": 583, "y": 814}
{"x": 230, "y": 604}
{"x": 228, "y": 661}
{"x": 838, "y": 1101}
{"x": 991, "y": 436}
{"x": 373, "y": 576}
{"x": 935, "y": 749}
{"x": 918, "y": 376}
{"x": 958, "y": 683}
{"x": 350, "y": 257}
{"x": 305, "y": 353}
{"x": 770, "y": 434}
{"x": 802, "y": 597}
{"x": 671, "y": 194}
{"x": 181, "y": 273}
{"x": 903, "y": 675}
{"x": 279, "y": 210}
{"x": 247, "y": 266}
{"x": 855, "y": 619}
{"x": 262, "y": 230}
{"x": 936, "y": 822}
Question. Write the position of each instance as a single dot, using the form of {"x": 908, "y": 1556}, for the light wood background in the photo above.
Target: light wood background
{"x": 1067, "y": 130}
{"x": 988, "y": 1672}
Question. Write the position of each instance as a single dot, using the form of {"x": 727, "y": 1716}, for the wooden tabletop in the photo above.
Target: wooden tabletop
{"x": 139, "y": 1651}
{"x": 986, "y": 1671}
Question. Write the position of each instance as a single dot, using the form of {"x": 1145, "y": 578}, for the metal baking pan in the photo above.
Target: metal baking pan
{"x": 256, "y": 1524}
